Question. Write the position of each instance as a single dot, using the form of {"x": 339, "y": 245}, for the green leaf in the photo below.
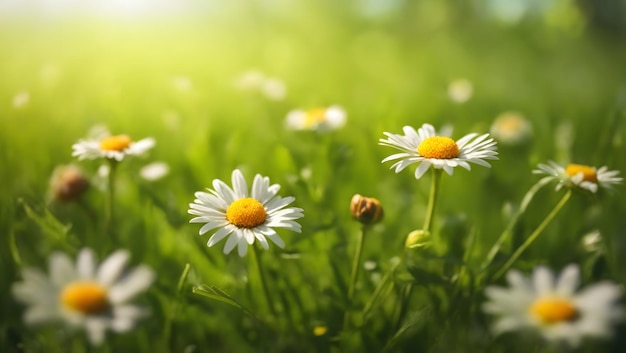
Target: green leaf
{"x": 216, "y": 293}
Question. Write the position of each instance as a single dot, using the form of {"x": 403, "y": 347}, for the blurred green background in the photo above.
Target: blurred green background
{"x": 169, "y": 69}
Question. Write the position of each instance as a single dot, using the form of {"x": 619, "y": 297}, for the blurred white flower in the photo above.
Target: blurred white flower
{"x": 95, "y": 298}
{"x": 49, "y": 74}
{"x": 428, "y": 148}
{"x": 21, "y": 99}
{"x": 182, "y": 83}
{"x": 250, "y": 80}
{"x": 578, "y": 175}
{"x": 154, "y": 171}
{"x": 460, "y": 90}
{"x": 256, "y": 81}
{"x": 245, "y": 215}
{"x": 511, "y": 128}
{"x": 274, "y": 89}
{"x": 319, "y": 119}
{"x": 552, "y": 307}
{"x": 112, "y": 147}
{"x": 592, "y": 241}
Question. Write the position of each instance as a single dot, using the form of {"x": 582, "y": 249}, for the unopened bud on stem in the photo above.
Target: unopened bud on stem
{"x": 366, "y": 210}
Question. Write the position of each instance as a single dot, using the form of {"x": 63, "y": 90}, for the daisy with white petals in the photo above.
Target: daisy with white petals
{"x": 427, "y": 148}
{"x": 578, "y": 175}
{"x": 85, "y": 295}
{"x": 318, "y": 119}
{"x": 552, "y": 307}
{"x": 115, "y": 147}
{"x": 244, "y": 215}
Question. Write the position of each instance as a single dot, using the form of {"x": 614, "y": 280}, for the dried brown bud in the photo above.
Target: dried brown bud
{"x": 366, "y": 210}
{"x": 68, "y": 183}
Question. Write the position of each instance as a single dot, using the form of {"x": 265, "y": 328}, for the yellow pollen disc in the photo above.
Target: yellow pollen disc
{"x": 589, "y": 173}
{"x": 553, "y": 310}
{"x": 438, "y": 147}
{"x": 115, "y": 143}
{"x": 314, "y": 117}
{"x": 85, "y": 297}
{"x": 510, "y": 123}
{"x": 246, "y": 213}
{"x": 320, "y": 330}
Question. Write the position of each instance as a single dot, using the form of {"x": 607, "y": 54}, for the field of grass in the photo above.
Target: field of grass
{"x": 171, "y": 75}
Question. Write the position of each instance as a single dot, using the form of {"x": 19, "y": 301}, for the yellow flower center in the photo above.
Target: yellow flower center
{"x": 320, "y": 330}
{"x": 115, "y": 143}
{"x": 439, "y": 147}
{"x": 510, "y": 123}
{"x": 85, "y": 297}
{"x": 246, "y": 213}
{"x": 589, "y": 173}
{"x": 314, "y": 117}
{"x": 553, "y": 310}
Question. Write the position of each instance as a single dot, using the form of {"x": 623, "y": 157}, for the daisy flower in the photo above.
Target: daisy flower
{"x": 460, "y": 90}
{"x": 244, "y": 215}
{"x": 511, "y": 128}
{"x": 85, "y": 295}
{"x": 320, "y": 119}
{"x": 578, "y": 175}
{"x": 428, "y": 148}
{"x": 552, "y": 306}
{"x": 112, "y": 147}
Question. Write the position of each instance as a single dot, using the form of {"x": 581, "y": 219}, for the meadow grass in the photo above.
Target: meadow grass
{"x": 172, "y": 78}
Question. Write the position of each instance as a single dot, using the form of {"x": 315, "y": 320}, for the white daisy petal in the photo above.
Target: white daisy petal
{"x": 568, "y": 281}
{"x": 543, "y": 280}
{"x": 232, "y": 241}
{"x": 219, "y": 235}
{"x": 61, "y": 269}
{"x": 240, "y": 187}
{"x": 86, "y": 264}
{"x": 113, "y": 267}
{"x": 135, "y": 282}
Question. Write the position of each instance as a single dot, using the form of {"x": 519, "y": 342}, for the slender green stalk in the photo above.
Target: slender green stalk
{"x": 170, "y": 320}
{"x": 534, "y": 235}
{"x": 355, "y": 274}
{"x": 432, "y": 199}
{"x": 374, "y": 299}
{"x": 509, "y": 228}
{"x": 15, "y": 253}
{"x": 109, "y": 201}
{"x": 257, "y": 261}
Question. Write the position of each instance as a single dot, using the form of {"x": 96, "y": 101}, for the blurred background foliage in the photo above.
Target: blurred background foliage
{"x": 168, "y": 69}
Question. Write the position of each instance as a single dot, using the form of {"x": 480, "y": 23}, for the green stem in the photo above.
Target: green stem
{"x": 257, "y": 260}
{"x": 509, "y": 228}
{"x": 432, "y": 199}
{"x": 534, "y": 235}
{"x": 15, "y": 253}
{"x": 355, "y": 274}
{"x": 378, "y": 291}
{"x": 170, "y": 320}
{"x": 108, "y": 209}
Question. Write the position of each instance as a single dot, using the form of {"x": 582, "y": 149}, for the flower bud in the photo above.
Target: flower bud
{"x": 68, "y": 183}
{"x": 366, "y": 210}
{"x": 418, "y": 239}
